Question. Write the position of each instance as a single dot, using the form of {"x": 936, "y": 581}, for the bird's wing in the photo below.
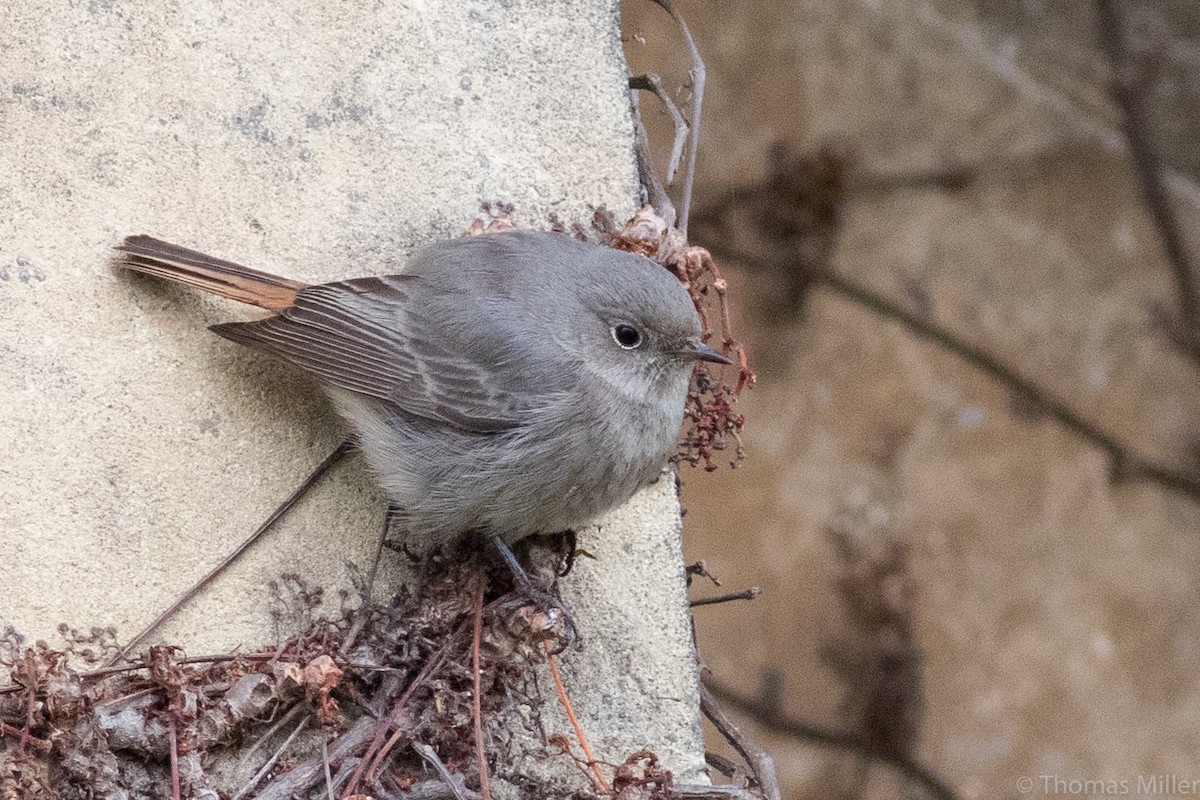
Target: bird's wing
{"x": 374, "y": 336}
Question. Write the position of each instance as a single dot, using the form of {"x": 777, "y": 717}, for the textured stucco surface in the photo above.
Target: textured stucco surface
{"x": 318, "y": 141}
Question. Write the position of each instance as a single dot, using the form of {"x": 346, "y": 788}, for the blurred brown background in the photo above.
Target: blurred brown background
{"x": 947, "y": 571}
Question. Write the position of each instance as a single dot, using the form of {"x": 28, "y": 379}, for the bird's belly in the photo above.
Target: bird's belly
{"x": 604, "y": 466}
{"x": 447, "y": 483}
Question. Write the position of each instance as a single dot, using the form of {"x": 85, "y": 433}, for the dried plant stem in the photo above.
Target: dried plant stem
{"x": 364, "y": 613}
{"x": 688, "y": 792}
{"x": 1127, "y": 91}
{"x": 452, "y": 782}
{"x": 593, "y": 764}
{"x": 171, "y": 732}
{"x": 284, "y": 721}
{"x": 328, "y": 774}
{"x": 773, "y": 719}
{"x": 141, "y": 664}
{"x": 651, "y": 82}
{"x": 29, "y": 664}
{"x": 656, "y": 193}
{"x": 1125, "y": 463}
{"x": 762, "y": 766}
{"x": 745, "y": 594}
{"x": 333, "y": 458}
{"x": 274, "y": 759}
{"x": 485, "y": 789}
{"x": 699, "y": 76}
{"x": 25, "y": 737}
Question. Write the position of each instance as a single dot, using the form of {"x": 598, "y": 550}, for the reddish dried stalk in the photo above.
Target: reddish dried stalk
{"x": 485, "y": 788}
{"x": 711, "y": 422}
{"x": 175, "y": 792}
{"x": 25, "y": 737}
{"x": 583, "y": 742}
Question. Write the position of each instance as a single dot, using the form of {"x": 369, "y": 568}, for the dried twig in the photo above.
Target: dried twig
{"x": 175, "y": 793}
{"x": 762, "y": 766}
{"x": 333, "y": 458}
{"x": 364, "y": 611}
{"x": 699, "y": 76}
{"x": 24, "y": 737}
{"x": 29, "y": 665}
{"x": 485, "y": 789}
{"x": 689, "y": 792}
{"x": 274, "y": 759}
{"x": 1126, "y": 463}
{"x": 453, "y": 782}
{"x": 283, "y": 722}
{"x": 745, "y": 594}
{"x": 103, "y": 672}
{"x": 651, "y": 82}
{"x": 656, "y": 193}
{"x": 700, "y": 569}
{"x": 1127, "y": 89}
{"x": 773, "y": 719}
{"x": 328, "y": 774}
{"x": 726, "y": 767}
{"x": 597, "y": 776}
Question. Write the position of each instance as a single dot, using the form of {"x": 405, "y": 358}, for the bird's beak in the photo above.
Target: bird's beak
{"x": 702, "y": 352}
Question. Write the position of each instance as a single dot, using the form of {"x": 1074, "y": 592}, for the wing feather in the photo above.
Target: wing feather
{"x": 373, "y": 336}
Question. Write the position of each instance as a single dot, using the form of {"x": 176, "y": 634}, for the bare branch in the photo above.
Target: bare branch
{"x": 651, "y": 82}
{"x": 689, "y": 792}
{"x": 485, "y": 789}
{"x": 656, "y": 193}
{"x": 745, "y": 594}
{"x": 1127, "y": 91}
{"x": 699, "y": 76}
{"x": 760, "y": 762}
{"x": 774, "y": 720}
{"x": 1125, "y": 463}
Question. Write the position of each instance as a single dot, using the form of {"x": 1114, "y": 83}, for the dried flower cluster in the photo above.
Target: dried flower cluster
{"x": 709, "y": 416}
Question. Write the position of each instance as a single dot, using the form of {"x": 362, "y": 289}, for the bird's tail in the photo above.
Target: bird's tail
{"x": 181, "y": 265}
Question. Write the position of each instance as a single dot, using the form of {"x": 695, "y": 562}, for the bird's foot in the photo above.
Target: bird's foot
{"x": 549, "y": 604}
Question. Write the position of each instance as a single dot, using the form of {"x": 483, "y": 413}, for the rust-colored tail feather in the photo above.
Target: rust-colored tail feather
{"x": 181, "y": 265}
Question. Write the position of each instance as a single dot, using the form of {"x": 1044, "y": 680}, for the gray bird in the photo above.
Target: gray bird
{"x": 506, "y": 384}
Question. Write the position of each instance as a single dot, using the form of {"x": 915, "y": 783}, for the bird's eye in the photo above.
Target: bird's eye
{"x": 627, "y": 336}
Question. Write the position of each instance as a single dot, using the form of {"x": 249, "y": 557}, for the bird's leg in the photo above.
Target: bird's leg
{"x": 571, "y": 540}
{"x": 364, "y": 611}
{"x": 398, "y": 545}
{"x": 545, "y": 602}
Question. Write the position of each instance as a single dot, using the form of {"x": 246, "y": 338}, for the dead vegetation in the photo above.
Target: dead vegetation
{"x": 403, "y": 699}
{"x": 368, "y": 684}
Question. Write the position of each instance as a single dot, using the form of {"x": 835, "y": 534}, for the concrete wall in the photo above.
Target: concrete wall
{"x": 320, "y": 141}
